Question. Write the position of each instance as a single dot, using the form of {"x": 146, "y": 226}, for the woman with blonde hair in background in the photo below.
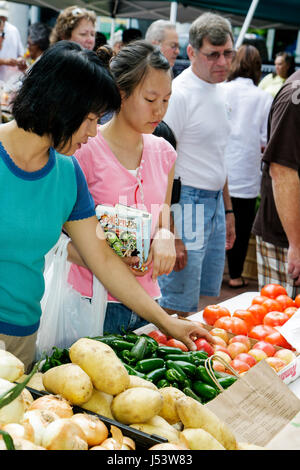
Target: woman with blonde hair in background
{"x": 75, "y": 24}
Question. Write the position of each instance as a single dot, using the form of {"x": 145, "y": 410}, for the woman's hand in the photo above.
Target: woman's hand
{"x": 162, "y": 253}
{"x": 187, "y": 332}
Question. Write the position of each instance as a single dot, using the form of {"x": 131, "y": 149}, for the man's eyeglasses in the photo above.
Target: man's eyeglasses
{"x": 214, "y": 56}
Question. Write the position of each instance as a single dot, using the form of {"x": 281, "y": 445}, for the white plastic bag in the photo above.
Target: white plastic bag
{"x": 66, "y": 316}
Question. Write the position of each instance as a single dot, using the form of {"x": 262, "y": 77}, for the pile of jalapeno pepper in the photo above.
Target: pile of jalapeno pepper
{"x": 166, "y": 366}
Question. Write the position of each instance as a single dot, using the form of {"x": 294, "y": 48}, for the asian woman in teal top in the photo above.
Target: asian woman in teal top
{"x": 43, "y": 190}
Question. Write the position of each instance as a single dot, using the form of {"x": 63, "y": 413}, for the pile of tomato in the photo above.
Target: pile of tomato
{"x": 273, "y": 307}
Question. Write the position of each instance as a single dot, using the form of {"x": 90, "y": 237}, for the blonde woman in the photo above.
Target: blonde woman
{"x": 75, "y": 24}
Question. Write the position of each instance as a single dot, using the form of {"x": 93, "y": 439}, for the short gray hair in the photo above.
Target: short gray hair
{"x": 214, "y": 27}
{"x": 156, "y": 31}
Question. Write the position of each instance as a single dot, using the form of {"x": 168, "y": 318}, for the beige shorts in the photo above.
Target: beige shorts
{"x": 23, "y": 347}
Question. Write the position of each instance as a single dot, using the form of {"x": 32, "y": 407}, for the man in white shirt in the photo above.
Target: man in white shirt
{"x": 11, "y": 54}
{"x": 198, "y": 116}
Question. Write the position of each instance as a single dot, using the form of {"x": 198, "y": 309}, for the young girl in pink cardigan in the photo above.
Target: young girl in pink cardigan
{"x": 126, "y": 163}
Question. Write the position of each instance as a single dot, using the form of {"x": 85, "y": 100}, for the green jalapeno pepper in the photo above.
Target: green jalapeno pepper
{"x": 147, "y": 365}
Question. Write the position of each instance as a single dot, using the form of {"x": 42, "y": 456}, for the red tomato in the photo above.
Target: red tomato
{"x": 290, "y": 311}
{"x": 258, "y": 299}
{"x": 239, "y": 366}
{"x": 285, "y": 301}
{"x": 174, "y": 343}
{"x": 273, "y": 290}
{"x": 275, "y": 318}
{"x": 203, "y": 345}
{"x": 250, "y": 360}
{"x": 277, "y": 339}
{"x": 212, "y": 313}
{"x": 158, "y": 336}
{"x": 297, "y": 300}
{"x": 259, "y": 332}
{"x": 258, "y": 311}
{"x": 245, "y": 315}
{"x": 272, "y": 305}
{"x": 234, "y": 325}
{"x": 268, "y": 348}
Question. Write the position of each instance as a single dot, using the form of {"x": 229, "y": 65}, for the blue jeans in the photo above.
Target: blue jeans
{"x": 119, "y": 318}
{"x": 200, "y": 221}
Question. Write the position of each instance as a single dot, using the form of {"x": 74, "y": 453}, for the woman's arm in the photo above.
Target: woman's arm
{"x": 89, "y": 239}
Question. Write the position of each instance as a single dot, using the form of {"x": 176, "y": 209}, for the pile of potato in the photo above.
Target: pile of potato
{"x": 97, "y": 381}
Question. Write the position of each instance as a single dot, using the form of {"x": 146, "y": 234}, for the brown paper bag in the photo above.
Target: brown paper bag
{"x": 258, "y": 406}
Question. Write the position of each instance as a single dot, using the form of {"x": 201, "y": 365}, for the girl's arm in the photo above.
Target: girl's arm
{"x": 89, "y": 239}
{"x": 162, "y": 252}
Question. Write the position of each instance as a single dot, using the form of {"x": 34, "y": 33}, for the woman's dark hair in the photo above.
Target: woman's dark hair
{"x": 39, "y": 34}
{"x": 246, "y": 64}
{"x": 130, "y": 66}
{"x": 61, "y": 89}
{"x": 289, "y": 59}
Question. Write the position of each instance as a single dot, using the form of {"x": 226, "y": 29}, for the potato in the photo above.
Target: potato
{"x": 99, "y": 403}
{"x": 102, "y": 365}
{"x": 160, "y": 427}
{"x": 136, "y": 405}
{"x": 168, "y": 411}
{"x": 69, "y": 381}
{"x": 195, "y": 415}
{"x": 198, "y": 439}
{"x": 36, "y": 381}
{"x": 135, "y": 381}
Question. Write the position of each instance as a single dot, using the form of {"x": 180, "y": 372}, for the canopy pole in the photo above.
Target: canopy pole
{"x": 246, "y": 24}
{"x": 112, "y": 31}
{"x": 173, "y": 12}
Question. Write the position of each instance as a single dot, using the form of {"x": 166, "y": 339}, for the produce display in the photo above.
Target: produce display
{"x": 154, "y": 362}
{"x": 114, "y": 392}
{"x": 255, "y": 336}
{"x": 51, "y": 422}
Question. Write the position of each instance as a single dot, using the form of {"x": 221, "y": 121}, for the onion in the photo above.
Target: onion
{"x": 59, "y": 405}
{"x": 118, "y": 441}
{"x": 128, "y": 444}
{"x": 94, "y": 429}
{"x": 64, "y": 434}
{"x": 39, "y": 420}
{"x": 21, "y": 444}
{"x": 23, "y": 431}
{"x": 97, "y": 448}
{"x": 14, "y": 411}
{"x": 28, "y": 398}
{"x": 11, "y": 368}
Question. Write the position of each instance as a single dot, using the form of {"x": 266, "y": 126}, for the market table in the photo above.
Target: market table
{"x": 243, "y": 301}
